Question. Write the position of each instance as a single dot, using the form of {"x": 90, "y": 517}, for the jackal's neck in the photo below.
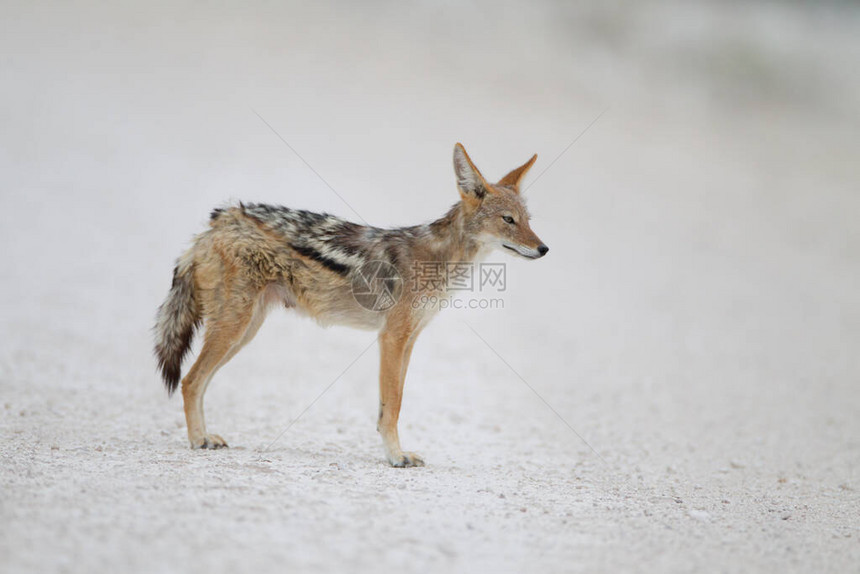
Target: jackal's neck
{"x": 452, "y": 238}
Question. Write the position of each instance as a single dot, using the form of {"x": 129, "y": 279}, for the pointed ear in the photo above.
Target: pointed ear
{"x": 473, "y": 187}
{"x": 514, "y": 178}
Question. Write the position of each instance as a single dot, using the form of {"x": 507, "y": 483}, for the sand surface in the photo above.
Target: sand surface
{"x": 674, "y": 388}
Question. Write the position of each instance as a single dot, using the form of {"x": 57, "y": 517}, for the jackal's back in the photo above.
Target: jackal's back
{"x": 312, "y": 258}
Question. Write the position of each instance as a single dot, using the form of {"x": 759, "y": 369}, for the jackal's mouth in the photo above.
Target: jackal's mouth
{"x": 530, "y": 254}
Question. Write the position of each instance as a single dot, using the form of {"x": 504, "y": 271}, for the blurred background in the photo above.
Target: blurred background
{"x": 696, "y": 320}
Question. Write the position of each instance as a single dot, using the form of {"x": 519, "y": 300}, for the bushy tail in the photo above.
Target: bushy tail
{"x": 177, "y": 319}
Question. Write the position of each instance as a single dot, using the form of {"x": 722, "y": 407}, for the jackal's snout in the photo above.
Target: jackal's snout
{"x": 524, "y": 242}
{"x": 524, "y": 250}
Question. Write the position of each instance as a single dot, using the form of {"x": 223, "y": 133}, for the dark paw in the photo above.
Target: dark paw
{"x": 406, "y": 460}
{"x": 210, "y": 441}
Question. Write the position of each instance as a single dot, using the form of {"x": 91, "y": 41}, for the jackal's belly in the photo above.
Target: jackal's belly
{"x": 327, "y": 305}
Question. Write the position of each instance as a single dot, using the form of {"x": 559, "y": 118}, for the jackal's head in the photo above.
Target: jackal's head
{"x": 496, "y": 213}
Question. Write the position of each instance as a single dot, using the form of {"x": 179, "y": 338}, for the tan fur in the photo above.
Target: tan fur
{"x": 243, "y": 265}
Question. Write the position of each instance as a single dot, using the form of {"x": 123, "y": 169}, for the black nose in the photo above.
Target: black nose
{"x": 542, "y": 249}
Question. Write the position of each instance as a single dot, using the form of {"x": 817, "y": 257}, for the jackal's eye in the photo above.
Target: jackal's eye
{"x": 508, "y": 219}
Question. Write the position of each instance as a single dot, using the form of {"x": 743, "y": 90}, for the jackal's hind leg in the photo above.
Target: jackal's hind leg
{"x": 224, "y": 338}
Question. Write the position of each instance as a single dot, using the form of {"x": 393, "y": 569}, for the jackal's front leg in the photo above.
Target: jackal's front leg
{"x": 395, "y": 348}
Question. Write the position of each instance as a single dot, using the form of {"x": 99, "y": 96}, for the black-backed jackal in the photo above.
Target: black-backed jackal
{"x": 254, "y": 256}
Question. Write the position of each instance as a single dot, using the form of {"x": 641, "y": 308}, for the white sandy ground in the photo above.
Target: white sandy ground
{"x": 696, "y": 321}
